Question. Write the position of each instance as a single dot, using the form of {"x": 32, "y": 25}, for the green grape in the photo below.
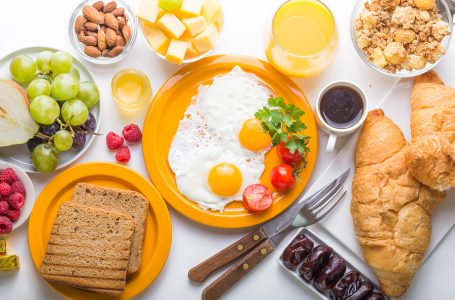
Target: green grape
{"x": 74, "y": 112}
{"x": 44, "y": 110}
{"x": 170, "y": 5}
{"x": 65, "y": 86}
{"x": 22, "y": 68}
{"x": 43, "y": 76}
{"x": 45, "y": 158}
{"x": 38, "y": 87}
{"x": 75, "y": 72}
{"x": 89, "y": 93}
{"x": 63, "y": 140}
{"x": 61, "y": 62}
{"x": 43, "y": 61}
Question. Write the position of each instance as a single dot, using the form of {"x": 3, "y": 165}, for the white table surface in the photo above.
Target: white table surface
{"x": 27, "y": 23}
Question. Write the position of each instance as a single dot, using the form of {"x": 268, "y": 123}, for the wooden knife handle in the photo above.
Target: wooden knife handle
{"x": 227, "y": 255}
{"x": 226, "y": 281}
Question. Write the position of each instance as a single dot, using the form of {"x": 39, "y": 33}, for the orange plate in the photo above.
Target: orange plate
{"x": 157, "y": 237}
{"x": 167, "y": 110}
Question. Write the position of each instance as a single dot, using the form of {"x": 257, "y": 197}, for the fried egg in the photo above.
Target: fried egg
{"x": 219, "y": 147}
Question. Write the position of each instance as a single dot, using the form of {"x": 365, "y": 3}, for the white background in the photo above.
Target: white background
{"x": 25, "y": 23}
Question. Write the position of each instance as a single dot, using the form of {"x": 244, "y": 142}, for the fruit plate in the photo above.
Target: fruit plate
{"x": 19, "y": 154}
{"x": 166, "y": 111}
{"x": 158, "y": 234}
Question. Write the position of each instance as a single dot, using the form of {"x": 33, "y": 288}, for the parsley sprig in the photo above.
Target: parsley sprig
{"x": 282, "y": 122}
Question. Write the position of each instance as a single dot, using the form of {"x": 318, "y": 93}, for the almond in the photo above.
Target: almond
{"x": 92, "y": 14}
{"x": 103, "y": 28}
{"x": 92, "y": 51}
{"x": 118, "y": 11}
{"x": 101, "y": 40}
{"x": 80, "y": 35}
{"x": 115, "y": 51}
{"x": 90, "y": 26}
{"x": 98, "y": 5}
{"x": 126, "y": 18}
{"x": 111, "y": 21}
{"x": 111, "y": 37}
{"x": 89, "y": 40}
{"x": 92, "y": 33}
{"x": 110, "y": 6}
{"x": 120, "y": 41}
{"x": 104, "y": 52}
{"x": 121, "y": 22}
{"x": 78, "y": 24}
{"x": 126, "y": 31}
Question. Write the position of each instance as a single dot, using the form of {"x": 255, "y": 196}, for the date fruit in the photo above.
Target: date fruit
{"x": 365, "y": 289}
{"x": 314, "y": 261}
{"x": 347, "y": 286}
{"x": 330, "y": 273}
{"x": 375, "y": 296}
{"x": 297, "y": 250}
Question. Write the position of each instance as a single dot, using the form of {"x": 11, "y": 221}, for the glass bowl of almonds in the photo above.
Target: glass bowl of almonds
{"x": 103, "y": 32}
{"x": 402, "y": 38}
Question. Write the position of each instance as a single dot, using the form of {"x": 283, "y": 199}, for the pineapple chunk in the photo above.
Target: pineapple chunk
{"x": 149, "y": 11}
{"x": 171, "y": 25}
{"x": 195, "y": 25}
{"x": 191, "y": 7}
{"x": 206, "y": 40}
{"x": 176, "y": 51}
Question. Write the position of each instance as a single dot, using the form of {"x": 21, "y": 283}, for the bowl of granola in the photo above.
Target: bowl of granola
{"x": 401, "y": 38}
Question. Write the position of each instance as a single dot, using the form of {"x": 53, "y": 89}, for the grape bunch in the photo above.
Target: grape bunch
{"x": 60, "y": 103}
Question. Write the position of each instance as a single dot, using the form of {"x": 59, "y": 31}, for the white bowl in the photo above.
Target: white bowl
{"x": 29, "y": 193}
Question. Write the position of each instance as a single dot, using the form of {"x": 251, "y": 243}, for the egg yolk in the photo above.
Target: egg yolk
{"x": 252, "y": 136}
{"x": 225, "y": 179}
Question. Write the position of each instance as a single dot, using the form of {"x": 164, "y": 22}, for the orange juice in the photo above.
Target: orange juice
{"x": 303, "y": 38}
{"x": 130, "y": 88}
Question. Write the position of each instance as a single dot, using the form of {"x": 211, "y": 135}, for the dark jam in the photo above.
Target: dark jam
{"x": 341, "y": 107}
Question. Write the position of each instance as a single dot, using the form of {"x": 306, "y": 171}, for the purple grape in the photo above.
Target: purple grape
{"x": 79, "y": 138}
{"x": 50, "y": 130}
{"x": 90, "y": 124}
{"x": 33, "y": 142}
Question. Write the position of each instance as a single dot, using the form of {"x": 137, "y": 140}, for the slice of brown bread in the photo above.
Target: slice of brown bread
{"x": 123, "y": 201}
{"x": 92, "y": 264}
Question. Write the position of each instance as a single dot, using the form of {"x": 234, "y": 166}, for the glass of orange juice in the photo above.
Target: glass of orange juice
{"x": 303, "y": 39}
{"x": 130, "y": 88}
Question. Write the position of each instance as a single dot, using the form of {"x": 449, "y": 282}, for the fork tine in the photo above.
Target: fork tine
{"x": 315, "y": 204}
{"x": 326, "y": 202}
{"x": 329, "y": 209}
{"x": 324, "y": 192}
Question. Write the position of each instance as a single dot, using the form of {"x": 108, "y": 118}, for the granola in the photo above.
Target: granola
{"x": 399, "y": 35}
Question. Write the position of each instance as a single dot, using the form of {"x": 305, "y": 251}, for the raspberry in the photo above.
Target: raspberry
{"x": 3, "y": 207}
{"x": 16, "y": 201}
{"x": 123, "y": 154}
{"x": 8, "y": 175}
{"x": 13, "y": 214}
{"x": 113, "y": 140}
{"x": 5, "y": 189}
{"x": 18, "y": 187}
{"x": 132, "y": 133}
{"x": 5, "y": 225}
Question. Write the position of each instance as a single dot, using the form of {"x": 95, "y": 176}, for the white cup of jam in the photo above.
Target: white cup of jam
{"x": 340, "y": 110}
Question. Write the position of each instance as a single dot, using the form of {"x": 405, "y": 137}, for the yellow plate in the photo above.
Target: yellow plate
{"x": 157, "y": 237}
{"x": 166, "y": 111}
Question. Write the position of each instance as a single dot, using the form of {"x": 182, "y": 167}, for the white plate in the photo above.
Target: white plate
{"x": 29, "y": 193}
{"x": 19, "y": 154}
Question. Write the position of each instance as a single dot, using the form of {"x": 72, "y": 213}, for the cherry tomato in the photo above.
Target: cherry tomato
{"x": 286, "y": 155}
{"x": 257, "y": 197}
{"x": 282, "y": 178}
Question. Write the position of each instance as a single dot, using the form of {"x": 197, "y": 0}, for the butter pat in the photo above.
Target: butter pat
{"x": 157, "y": 39}
{"x": 206, "y": 40}
{"x": 191, "y": 7}
{"x": 195, "y": 25}
{"x": 210, "y": 10}
{"x": 171, "y": 25}
{"x": 148, "y": 11}
{"x": 176, "y": 51}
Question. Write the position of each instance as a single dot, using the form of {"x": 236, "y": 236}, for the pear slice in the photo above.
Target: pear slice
{"x": 16, "y": 123}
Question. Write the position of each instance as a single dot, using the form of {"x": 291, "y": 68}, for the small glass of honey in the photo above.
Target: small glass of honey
{"x": 130, "y": 88}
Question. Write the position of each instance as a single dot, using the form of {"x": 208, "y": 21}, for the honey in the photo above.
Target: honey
{"x": 130, "y": 88}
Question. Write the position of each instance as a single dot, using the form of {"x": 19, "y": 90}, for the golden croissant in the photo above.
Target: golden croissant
{"x": 390, "y": 208}
{"x": 431, "y": 155}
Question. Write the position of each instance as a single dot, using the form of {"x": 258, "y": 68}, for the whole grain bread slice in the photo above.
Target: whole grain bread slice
{"x": 95, "y": 266}
{"x": 123, "y": 201}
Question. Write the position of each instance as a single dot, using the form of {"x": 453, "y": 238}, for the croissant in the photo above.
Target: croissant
{"x": 431, "y": 155}
{"x": 390, "y": 208}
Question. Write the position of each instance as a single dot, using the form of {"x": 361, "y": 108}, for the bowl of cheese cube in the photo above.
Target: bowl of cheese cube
{"x": 181, "y": 31}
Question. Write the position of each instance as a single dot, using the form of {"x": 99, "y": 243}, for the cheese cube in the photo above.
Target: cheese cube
{"x": 192, "y": 51}
{"x": 210, "y": 10}
{"x": 191, "y": 7}
{"x": 156, "y": 38}
{"x": 176, "y": 51}
{"x": 171, "y": 25}
{"x": 206, "y": 40}
{"x": 195, "y": 25}
{"x": 148, "y": 11}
